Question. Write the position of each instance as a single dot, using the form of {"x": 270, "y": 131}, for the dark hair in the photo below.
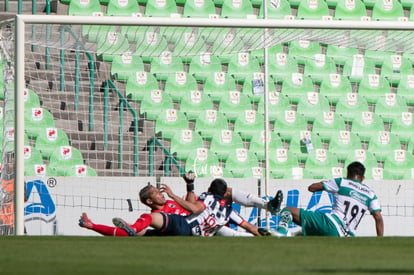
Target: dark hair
{"x": 355, "y": 169}
{"x": 218, "y": 187}
{"x": 145, "y": 193}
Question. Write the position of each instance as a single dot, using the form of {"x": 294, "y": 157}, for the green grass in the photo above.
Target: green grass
{"x": 218, "y": 255}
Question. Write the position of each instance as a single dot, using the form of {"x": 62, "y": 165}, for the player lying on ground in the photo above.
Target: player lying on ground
{"x": 352, "y": 199}
{"x": 153, "y": 198}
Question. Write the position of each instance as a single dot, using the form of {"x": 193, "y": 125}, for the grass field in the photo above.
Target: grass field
{"x": 218, "y": 255}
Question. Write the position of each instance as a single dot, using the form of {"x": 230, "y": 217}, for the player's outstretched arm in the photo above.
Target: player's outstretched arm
{"x": 189, "y": 178}
{"x": 194, "y": 207}
{"x": 379, "y": 223}
{"x": 314, "y": 187}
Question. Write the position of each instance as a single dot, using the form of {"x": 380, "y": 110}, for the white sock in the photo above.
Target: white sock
{"x": 228, "y": 232}
{"x": 247, "y": 199}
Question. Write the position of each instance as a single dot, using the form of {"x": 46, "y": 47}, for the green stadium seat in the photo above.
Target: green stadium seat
{"x": 242, "y": 9}
{"x": 185, "y": 142}
{"x": 32, "y": 156}
{"x": 342, "y": 142}
{"x": 253, "y": 86}
{"x": 169, "y": 122}
{"x": 208, "y": 122}
{"x": 289, "y": 125}
{"x": 327, "y": 124}
{"x": 302, "y": 50}
{"x": 303, "y": 142}
{"x": 383, "y": 144}
{"x": 195, "y": 102}
{"x": 319, "y": 164}
{"x": 198, "y": 9}
{"x": 406, "y": 89}
{"x": 281, "y": 66}
{"x": 257, "y": 144}
{"x": 395, "y": 68}
{"x": 190, "y": 45}
{"x": 173, "y": 35}
{"x": 163, "y": 8}
{"x": 122, "y": 8}
{"x": 372, "y": 87}
{"x": 350, "y": 106}
{"x": 366, "y": 158}
{"x": 79, "y": 7}
{"x": 378, "y": 56}
{"x": 38, "y": 170}
{"x": 150, "y": 45}
{"x": 390, "y": 106}
{"x": 283, "y": 164}
{"x": 204, "y": 163}
{"x": 64, "y": 158}
{"x": 403, "y": 127}
{"x": 277, "y": 104}
{"x": 234, "y": 103}
{"x": 242, "y": 65}
{"x": 340, "y": 54}
{"x": 139, "y": 33}
{"x": 367, "y": 125}
{"x": 358, "y": 66}
{"x": 49, "y": 139}
{"x": 312, "y": 10}
{"x": 92, "y": 33}
{"x": 311, "y": 104}
{"x": 81, "y": 171}
{"x": 31, "y": 99}
{"x": 126, "y": 65}
{"x": 37, "y": 120}
{"x": 272, "y": 51}
{"x": 247, "y": 123}
{"x": 154, "y": 103}
{"x": 387, "y": 10}
{"x": 398, "y": 165}
{"x": 166, "y": 65}
{"x": 218, "y": 84}
{"x": 139, "y": 85}
{"x": 318, "y": 67}
{"x": 242, "y": 163}
{"x": 296, "y": 86}
{"x": 276, "y": 9}
{"x": 203, "y": 65}
{"x": 110, "y": 45}
{"x": 334, "y": 86}
{"x": 224, "y": 141}
{"x": 180, "y": 85}
{"x": 349, "y": 10}
{"x": 211, "y": 35}
{"x": 407, "y": 4}
{"x": 226, "y": 45}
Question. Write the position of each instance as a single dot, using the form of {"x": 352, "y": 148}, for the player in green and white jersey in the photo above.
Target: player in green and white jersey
{"x": 352, "y": 200}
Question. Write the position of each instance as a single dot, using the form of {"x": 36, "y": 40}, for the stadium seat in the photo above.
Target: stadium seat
{"x": 379, "y": 56}
{"x": 327, "y": 124}
{"x": 92, "y": 33}
{"x": 382, "y": 144}
{"x": 242, "y": 9}
{"x": 318, "y": 67}
{"x": 312, "y": 10}
{"x": 149, "y": 46}
{"x": 195, "y": 102}
{"x": 366, "y": 158}
{"x": 139, "y": 33}
{"x": 405, "y": 89}
{"x": 319, "y": 164}
{"x": 110, "y": 45}
{"x": 340, "y": 54}
{"x": 272, "y": 51}
{"x": 185, "y": 142}
{"x": 154, "y": 103}
{"x": 169, "y": 122}
{"x": 257, "y": 144}
{"x": 31, "y": 99}
{"x": 234, "y": 103}
{"x": 180, "y": 85}
{"x": 276, "y": 9}
{"x": 303, "y": 142}
{"x": 196, "y": 9}
{"x": 240, "y": 163}
{"x": 64, "y": 158}
{"x": 334, "y": 86}
{"x": 350, "y": 10}
{"x": 38, "y": 170}
{"x": 163, "y": 8}
{"x": 122, "y": 8}
{"x": 218, "y": 84}
{"x": 289, "y": 125}
{"x": 403, "y": 127}
{"x": 126, "y": 65}
{"x": 79, "y": 7}
{"x": 174, "y": 35}
{"x": 283, "y": 164}
{"x": 350, "y": 106}
{"x": 208, "y": 122}
{"x": 37, "y": 120}
{"x": 227, "y": 45}
{"x": 247, "y": 123}
{"x": 49, "y": 139}
{"x": 296, "y": 86}
{"x": 166, "y": 65}
{"x": 302, "y": 50}
{"x": 387, "y": 10}
{"x": 342, "y": 142}
{"x": 211, "y": 35}
{"x": 277, "y": 104}
{"x": 188, "y": 46}
{"x": 367, "y": 125}
{"x": 253, "y": 86}
{"x": 311, "y": 104}
{"x": 204, "y": 163}
{"x": 140, "y": 84}
{"x": 358, "y": 66}
{"x": 80, "y": 171}
{"x": 32, "y": 157}
{"x": 281, "y": 66}
{"x": 224, "y": 141}
{"x": 398, "y": 165}
{"x": 390, "y": 106}
{"x": 203, "y": 65}
{"x": 242, "y": 65}
{"x": 372, "y": 87}
{"x": 395, "y": 68}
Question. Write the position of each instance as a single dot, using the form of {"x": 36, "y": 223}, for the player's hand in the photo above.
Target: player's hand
{"x": 166, "y": 189}
{"x": 189, "y": 177}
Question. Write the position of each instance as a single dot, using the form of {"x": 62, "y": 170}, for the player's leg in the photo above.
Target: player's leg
{"x": 228, "y": 232}
{"x": 250, "y": 200}
{"x": 105, "y": 230}
{"x": 154, "y": 220}
{"x": 287, "y": 215}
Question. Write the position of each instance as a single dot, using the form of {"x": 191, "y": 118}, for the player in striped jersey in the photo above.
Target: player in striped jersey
{"x": 352, "y": 199}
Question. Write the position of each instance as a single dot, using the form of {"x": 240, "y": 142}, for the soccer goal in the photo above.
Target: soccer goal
{"x": 99, "y": 100}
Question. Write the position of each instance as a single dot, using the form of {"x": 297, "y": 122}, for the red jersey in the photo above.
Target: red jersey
{"x": 171, "y": 207}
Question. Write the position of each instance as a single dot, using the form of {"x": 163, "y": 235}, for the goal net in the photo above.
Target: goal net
{"x": 117, "y": 100}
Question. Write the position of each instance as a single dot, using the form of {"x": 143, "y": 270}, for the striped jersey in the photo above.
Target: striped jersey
{"x": 352, "y": 200}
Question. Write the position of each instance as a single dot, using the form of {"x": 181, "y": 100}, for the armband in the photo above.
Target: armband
{"x": 190, "y": 187}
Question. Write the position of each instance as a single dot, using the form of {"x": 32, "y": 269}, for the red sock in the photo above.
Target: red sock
{"x": 109, "y": 230}
{"x": 143, "y": 222}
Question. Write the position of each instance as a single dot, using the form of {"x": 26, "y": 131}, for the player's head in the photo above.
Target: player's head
{"x": 218, "y": 187}
{"x": 356, "y": 170}
{"x": 151, "y": 196}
